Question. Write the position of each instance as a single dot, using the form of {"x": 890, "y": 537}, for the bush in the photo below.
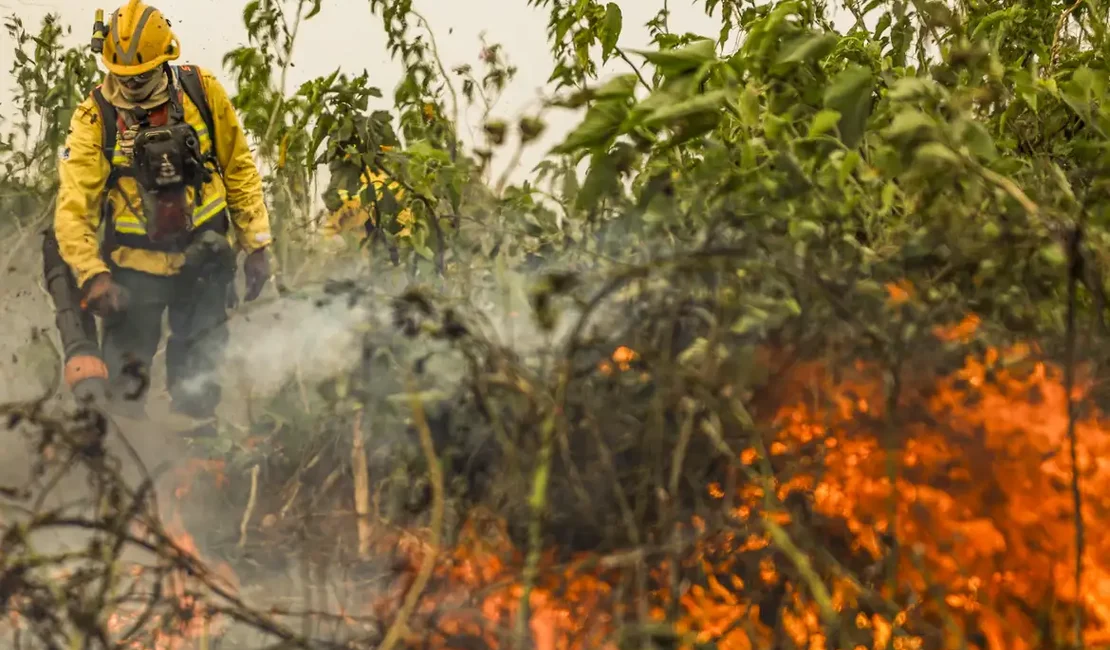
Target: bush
{"x": 795, "y": 362}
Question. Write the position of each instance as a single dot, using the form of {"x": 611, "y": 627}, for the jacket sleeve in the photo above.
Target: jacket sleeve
{"x": 82, "y": 172}
{"x": 245, "y": 199}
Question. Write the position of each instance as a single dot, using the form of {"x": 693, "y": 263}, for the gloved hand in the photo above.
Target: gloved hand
{"x": 103, "y": 296}
{"x": 257, "y": 269}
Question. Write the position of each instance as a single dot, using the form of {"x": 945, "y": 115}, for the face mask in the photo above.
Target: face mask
{"x": 142, "y": 87}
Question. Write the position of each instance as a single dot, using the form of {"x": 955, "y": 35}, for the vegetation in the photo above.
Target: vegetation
{"x": 815, "y": 356}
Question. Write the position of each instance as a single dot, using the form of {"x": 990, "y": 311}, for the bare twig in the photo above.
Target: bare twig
{"x": 249, "y": 510}
{"x": 1054, "y": 59}
{"x": 362, "y": 486}
{"x": 1011, "y": 188}
{"x": 635, "y": 68}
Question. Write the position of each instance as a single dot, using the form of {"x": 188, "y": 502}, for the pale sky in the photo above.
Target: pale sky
{"x": 346, "y": 34}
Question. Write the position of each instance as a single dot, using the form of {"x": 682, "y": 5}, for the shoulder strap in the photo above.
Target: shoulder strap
{"x": 190, "y": 83}
{"x": 108, "y": 115}
{"x": 108, "y": 130}
{"x": 189, "y": 77}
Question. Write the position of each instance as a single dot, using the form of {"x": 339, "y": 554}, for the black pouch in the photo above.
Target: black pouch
{"x": 167, "y": 162}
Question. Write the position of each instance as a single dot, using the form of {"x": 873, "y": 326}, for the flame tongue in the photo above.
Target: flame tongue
{"x": 973, "y": 492}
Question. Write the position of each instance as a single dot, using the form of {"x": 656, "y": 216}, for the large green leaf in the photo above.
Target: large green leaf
{"x": 808, "y": 48}
{"x": 601, "y": 180}
{"x": 936, "y": 154}
{"x": 976, "y": 138}
{"x": 711, "y": 102}
{"x": 618, "y": 87}
{"x": 684, "y": 59}
{"x": 601, "y": 124}
{"x": 911, "y": 88}
{"x": 850, "y": 95}
{"x": 823, "y": 122}
{"x": 610, "y": 30}
{"x": 911, "y": 124}
{"x": 693, "y": 125}
{"x": 656, "y": 101}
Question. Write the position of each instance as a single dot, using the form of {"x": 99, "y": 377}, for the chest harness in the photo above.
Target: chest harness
{"x": 165, "y": 160}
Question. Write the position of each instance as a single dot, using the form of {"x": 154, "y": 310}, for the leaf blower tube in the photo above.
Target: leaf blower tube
{"x": 85, "y": 372}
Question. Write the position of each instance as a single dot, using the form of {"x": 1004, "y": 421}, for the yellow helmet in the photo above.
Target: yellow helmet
{"x": 139, "y": 40}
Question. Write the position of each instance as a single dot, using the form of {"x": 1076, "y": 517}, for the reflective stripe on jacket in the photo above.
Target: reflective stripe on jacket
{"x": 126, "y": 208}
{"x": 83, "y": 172}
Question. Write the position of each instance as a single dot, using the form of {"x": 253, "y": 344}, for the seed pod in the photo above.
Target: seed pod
{"x": 495, "y": 131}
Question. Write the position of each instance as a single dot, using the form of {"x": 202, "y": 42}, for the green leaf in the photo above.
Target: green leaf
{"x": 418, "y": 241}
{"x": 851, "y": 161}
{"x": 887, "y": 196}
{"x": 249, "y": 10}
{"x": 749, "y": 106}
{"x": 1083, "y": 89}
{"x": 618, "y": 87}
{"x": 824, "y": 121}
{"x": 426, "y": 150}
{"x": 610, "y": 30}
{"x": 910, "y": 123}
{"x": 656, "y": 101}
{"x": 773, "y": 125}
{"x": 882, "y": 25}
{"x": 684, "y": 59}
{"x": 808, "y": 48}
{"x": 978, "y": 141}
{"x": 315, "y": 9}
{"x": 1053, "y": 254}
{"x": 938, "y": 154}
{"x": 992, "y": 20}
{"x": 850, "y": 95}
{"x": 698, "y": 352}
{"x": 750, "y": 322}
{"x": 911, "y": 88}
{"x": 693, "y": 126}
{"x": 600, "y": 180}
{"x": 600, "y": 125}
{"x": 803, "y": 229}
{"x": 711, "y": 102}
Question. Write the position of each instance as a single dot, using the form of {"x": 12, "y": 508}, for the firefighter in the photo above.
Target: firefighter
{"x": 157, "y": 157}
{"x": 343, "y": 199}
{"x": 352, "y": 210}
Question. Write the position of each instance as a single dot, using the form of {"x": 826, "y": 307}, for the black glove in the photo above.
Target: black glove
{"x": 257, "y": 269}
{"x": 103, "y": 296}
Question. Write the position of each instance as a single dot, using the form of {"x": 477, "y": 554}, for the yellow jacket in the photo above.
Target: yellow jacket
{"x": 84, "y": 170}
{"x": 352, "y": 216}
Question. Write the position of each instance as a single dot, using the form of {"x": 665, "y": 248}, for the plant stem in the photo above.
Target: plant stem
{"x": 1074, "y": 270}
{"x": 362, "y": 487}
{"x": 538, "y": 503}
{"x": 435, "y": 473}
{"x": 283, "y": 79}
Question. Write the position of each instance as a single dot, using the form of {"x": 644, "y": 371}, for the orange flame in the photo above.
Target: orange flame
{"x": 977, "y": 494}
